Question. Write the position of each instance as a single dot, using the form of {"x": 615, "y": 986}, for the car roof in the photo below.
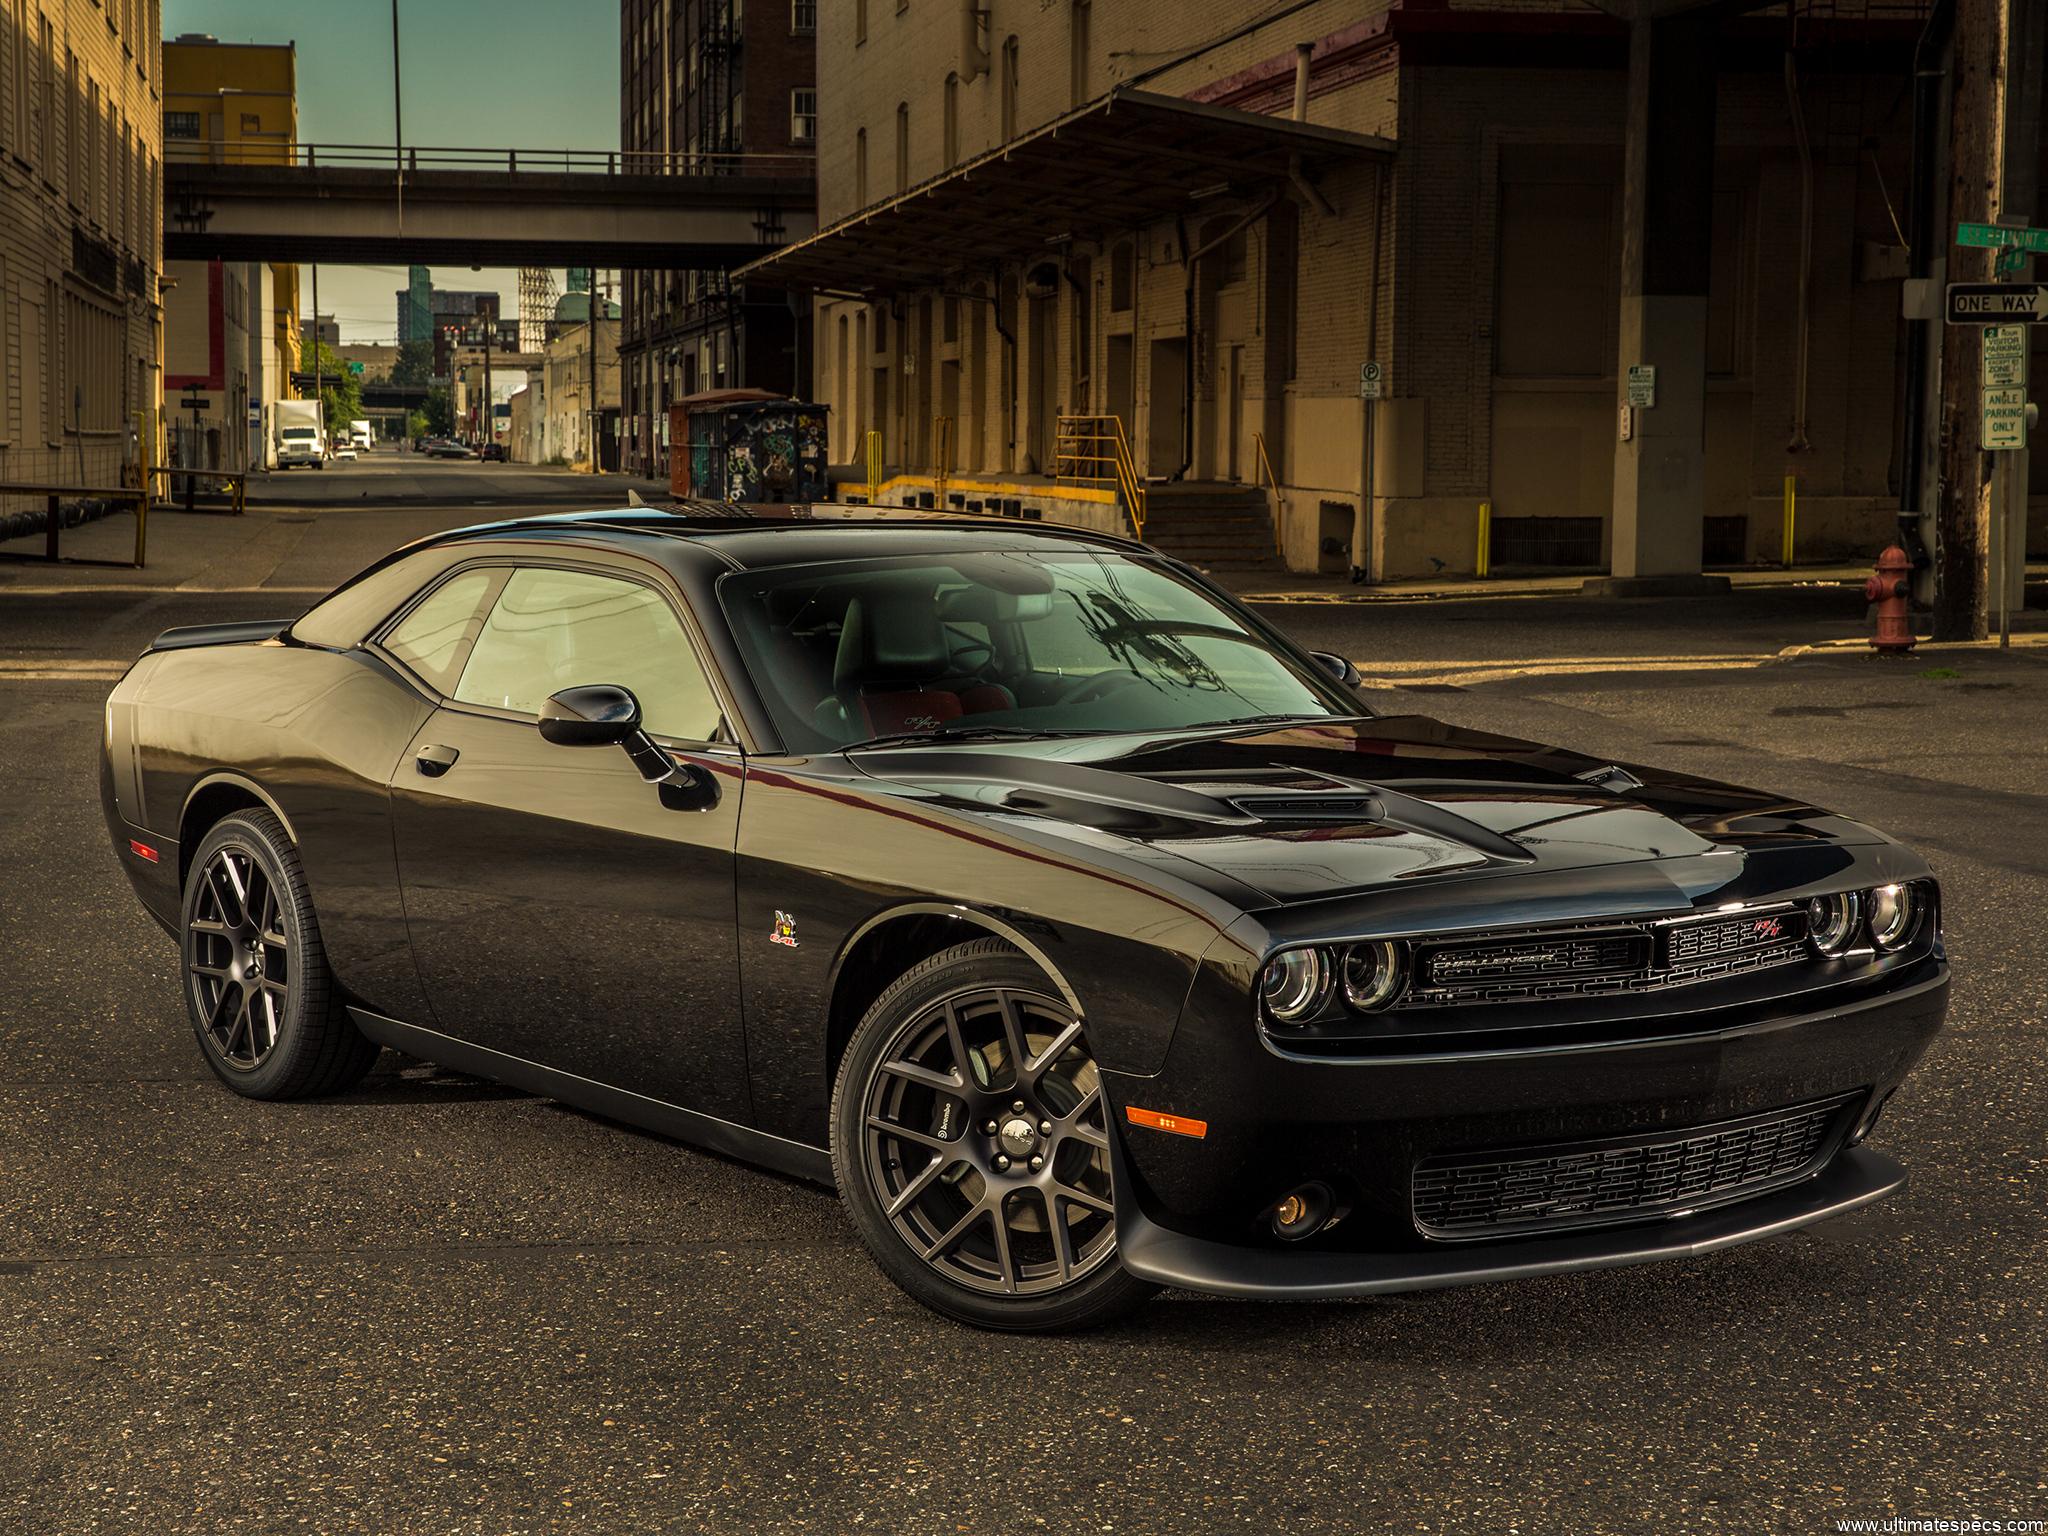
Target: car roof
{"x": 745, "y": 541}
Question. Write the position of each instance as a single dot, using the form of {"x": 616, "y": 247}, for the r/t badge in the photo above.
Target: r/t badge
{"x": 785, "y": 930}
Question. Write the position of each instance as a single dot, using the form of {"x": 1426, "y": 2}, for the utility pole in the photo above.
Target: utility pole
{"x": 596, "y": 413}
{"x": 1976, "y": 119}
{"x": 318, "y": 389}
{"x": 397, "y": 125}
{"x": 490, "y": 408}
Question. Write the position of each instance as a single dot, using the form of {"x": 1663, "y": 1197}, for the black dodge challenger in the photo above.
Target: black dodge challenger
{"x": 1086, "y": 933}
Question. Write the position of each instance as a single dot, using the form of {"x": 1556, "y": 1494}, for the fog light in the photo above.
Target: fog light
{"x": 1293, "y": 984}
{"x": 1831, "y": 921}
{"x": 1894, "y": 914}
{"x": 1303, "y": 1213}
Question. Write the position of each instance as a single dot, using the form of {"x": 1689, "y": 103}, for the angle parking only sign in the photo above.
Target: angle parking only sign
{"x": 1997, "y": 303}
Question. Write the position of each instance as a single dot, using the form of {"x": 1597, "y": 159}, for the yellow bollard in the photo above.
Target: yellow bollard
{"x": 1791, "y": 510}
{"x": 1482, "y": 561}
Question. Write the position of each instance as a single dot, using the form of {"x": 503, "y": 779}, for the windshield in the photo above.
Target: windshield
{"x": 298, "y": 431}
{"x": 1002, "y": 643}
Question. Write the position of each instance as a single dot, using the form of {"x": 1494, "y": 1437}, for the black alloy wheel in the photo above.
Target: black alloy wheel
{"x": 264, "y": 1005}
{"x": 972, "y": 1146}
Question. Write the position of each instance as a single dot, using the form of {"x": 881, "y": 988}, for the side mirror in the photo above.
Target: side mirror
{"x": 591, "y": 715}
{"x": 1337, "y": 667}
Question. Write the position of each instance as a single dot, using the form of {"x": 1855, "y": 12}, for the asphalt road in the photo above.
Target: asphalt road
{"x": 435, "y": 1306}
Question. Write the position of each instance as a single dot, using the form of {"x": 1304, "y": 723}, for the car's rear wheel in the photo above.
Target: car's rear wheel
{"x": 263, "y": 1002}
{"x": 971, "y": 1146}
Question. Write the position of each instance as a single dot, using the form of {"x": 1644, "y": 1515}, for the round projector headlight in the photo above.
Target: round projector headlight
{"x": 1293, "y": 984}
{"x": 1373, "y": 974}
{"x": 1831, "y": 921}
{"x": 1894, "y": 914}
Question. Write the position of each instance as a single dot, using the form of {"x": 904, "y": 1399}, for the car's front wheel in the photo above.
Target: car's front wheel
{"x": 971, "y": 1146}
{"x": 264, "y": 1004}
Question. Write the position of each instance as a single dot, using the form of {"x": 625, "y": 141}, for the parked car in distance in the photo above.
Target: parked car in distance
{"x": 1085, "y": 932}
{"x": 447, "y": 448}
{"x": 344, "y": 450}
{"x": 492, "y": 453}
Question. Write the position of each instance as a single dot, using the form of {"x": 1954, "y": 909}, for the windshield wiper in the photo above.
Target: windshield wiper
{"x": 1243, "y": 721}
{"x": 966, "y": 733}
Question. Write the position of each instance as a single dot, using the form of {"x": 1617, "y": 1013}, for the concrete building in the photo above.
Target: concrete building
{"x": 81, "y": 178}
{"x": 233, "y": 337}
{"x": 564, "y": 417}
{"x": 1038, "y": 211}
{"x": 522, "y": 444}
{"x": 702, "y": 82}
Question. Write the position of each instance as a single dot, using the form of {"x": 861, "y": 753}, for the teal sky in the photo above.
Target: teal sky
{"x": 522, "y": 74}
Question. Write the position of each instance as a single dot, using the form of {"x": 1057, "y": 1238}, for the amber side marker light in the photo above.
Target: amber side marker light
{"x": 142, "y": 850}
{"x": 1180, "y": 1125}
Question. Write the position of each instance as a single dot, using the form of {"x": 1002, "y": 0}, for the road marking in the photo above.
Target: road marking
{"x": 61, "y": 669}
{"x": 1407, "y": 674}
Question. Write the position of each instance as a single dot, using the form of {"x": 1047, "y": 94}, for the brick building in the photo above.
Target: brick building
{"x": 702, "y": 81}
{"x": 81, "y": 189}
{"x": 1037, "y": 209}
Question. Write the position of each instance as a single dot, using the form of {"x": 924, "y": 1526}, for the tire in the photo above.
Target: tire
{"x": 977, "y": 1233}
{"x": 246, "y": 915}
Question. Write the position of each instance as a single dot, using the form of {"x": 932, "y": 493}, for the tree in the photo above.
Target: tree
{"x": 416, "y": 423}
{"x": 341, "y": 395}
{"x": 440, "y": 410}
{"x": 415, "y": 363}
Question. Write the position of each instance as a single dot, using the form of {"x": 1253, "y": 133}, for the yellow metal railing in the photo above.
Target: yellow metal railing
{"x": 1272, "y": 480}
{"x": 1093, "y": 450}
{"x": 236, "y": 481}
{"x": 871, "y": 445}
{"x": 942, "y": 459}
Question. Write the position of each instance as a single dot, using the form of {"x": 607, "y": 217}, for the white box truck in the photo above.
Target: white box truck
{"x": 359, "y": 434}
{"x": 301, "y": 439}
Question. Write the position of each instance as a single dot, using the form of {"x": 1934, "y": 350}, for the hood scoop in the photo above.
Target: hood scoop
{"x": 1387, "y": 808}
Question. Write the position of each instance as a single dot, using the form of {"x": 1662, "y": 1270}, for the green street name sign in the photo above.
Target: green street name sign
{"x": 1998, "y": 235}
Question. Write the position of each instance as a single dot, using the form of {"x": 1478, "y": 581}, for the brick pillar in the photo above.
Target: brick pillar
{"x": 1667, "y": 216}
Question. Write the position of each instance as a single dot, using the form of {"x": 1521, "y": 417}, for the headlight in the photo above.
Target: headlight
{"x": 1373, "y": 974}
{"x": 1293, "y": 984}
{"x": 1894, "y": 915}
{"x": 1831, "y": 921}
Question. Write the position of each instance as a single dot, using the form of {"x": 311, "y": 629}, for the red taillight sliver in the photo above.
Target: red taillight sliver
{"x": 142, "y": 850}
{"x": 1179, "y": 1125}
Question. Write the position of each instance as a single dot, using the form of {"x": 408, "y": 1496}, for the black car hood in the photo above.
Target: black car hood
{"x": 1303, "y": 812}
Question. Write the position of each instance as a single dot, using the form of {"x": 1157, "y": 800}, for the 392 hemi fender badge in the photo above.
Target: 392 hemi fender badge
{"x": 784, "y": 932}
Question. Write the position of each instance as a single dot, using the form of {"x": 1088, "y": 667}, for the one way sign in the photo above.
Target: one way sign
{"x": 1998, "y": 303}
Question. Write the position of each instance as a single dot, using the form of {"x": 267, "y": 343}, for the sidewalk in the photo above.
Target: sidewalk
{"x": 1284, "y": 587}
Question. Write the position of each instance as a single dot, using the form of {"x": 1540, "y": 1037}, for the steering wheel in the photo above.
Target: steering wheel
{"x": 1100, "y": 686}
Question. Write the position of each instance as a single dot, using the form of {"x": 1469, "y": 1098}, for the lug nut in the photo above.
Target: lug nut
{"x": 990, "y": 1128}
{"x": 1017, "y": 1108}
{"x": 1045, "y": 1127}
{"x": 1002, "y": 1163}
{"x": 1037, "y": 1163}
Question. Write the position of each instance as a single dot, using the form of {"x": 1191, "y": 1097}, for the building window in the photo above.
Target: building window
{"x": 1077, "y": 53}
{"x": 860, "y": 168}
{"x": 952, "y": 120}
{"x": 181, "y": 125}
{"x": 251, "y": 123}
{"x": 92, "y": 365}
{"x": 1010, "y": 89}
{"x": 803, "y": 115}
{"x": 860, "y": 22}
{"x": 902, "y": 146}
{"x": 803, "y": 17}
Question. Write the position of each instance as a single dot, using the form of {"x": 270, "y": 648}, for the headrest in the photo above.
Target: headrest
{"x": 893, "y": 639}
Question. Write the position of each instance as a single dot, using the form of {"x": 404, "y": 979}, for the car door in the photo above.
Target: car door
{"x": 562, "y": 909}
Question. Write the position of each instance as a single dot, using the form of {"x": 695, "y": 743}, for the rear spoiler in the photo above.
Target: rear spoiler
{"x": 250, "y": 632}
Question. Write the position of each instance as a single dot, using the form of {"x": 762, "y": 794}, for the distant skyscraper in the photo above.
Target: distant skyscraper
{"x": 416, "y": 305}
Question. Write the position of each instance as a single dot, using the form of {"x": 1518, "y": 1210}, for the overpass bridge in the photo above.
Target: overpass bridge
{"x": 353, "y": 203}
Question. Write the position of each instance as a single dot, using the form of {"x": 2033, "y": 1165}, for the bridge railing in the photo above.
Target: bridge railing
{"x": 425, "y": 157}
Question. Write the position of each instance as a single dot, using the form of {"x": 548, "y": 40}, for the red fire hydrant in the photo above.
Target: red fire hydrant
{"x": 1888, "y": 589}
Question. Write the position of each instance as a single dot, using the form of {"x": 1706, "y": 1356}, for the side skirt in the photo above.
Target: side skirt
{"x": 743, "y": 1142}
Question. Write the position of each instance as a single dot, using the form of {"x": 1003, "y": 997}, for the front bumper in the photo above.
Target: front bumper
{"x": 1193, "y": 1212}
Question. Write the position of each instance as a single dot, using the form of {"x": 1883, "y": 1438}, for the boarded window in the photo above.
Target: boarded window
{"x": 1558, "y": 282}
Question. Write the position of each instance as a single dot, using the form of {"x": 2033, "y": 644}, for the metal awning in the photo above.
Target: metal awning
{"x": 1124, "y": 160}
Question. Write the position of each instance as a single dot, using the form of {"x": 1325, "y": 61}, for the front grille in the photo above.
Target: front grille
{"x": 1539, "y": 965}
{"x": 1589, "y": 1183}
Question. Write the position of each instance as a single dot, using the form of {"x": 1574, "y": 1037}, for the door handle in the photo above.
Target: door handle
{"x": 436, "y": 760}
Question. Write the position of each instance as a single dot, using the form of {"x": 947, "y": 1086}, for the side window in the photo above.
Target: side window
{"x": 551, "y": 630}
{"x": 430, "y": 640}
